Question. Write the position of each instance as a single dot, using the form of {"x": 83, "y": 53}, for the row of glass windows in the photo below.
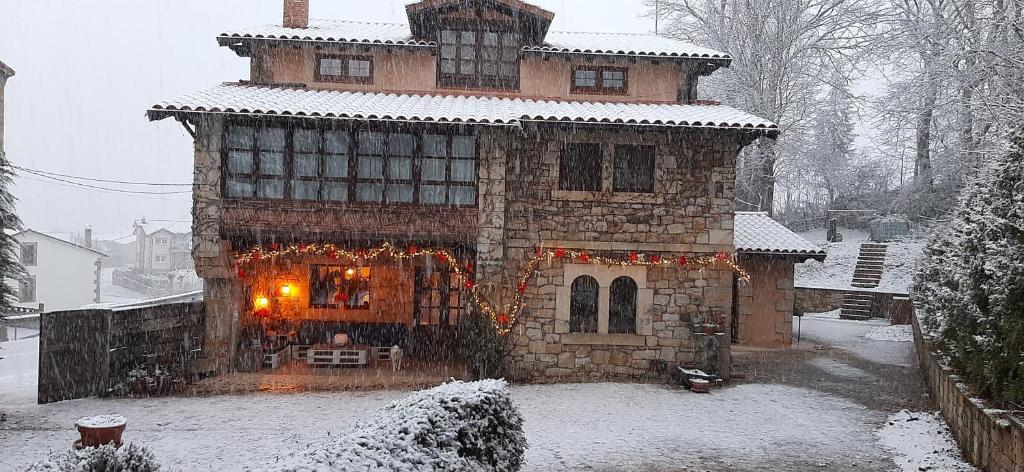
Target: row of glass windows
{"x": 341, "y": 166}
{"x": 621, "y": 305}
{"x": 581, "y": 168}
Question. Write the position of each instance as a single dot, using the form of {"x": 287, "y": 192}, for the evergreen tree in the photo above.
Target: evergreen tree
{"x": 970, "y": 285}
{"x": 10, "y": 249}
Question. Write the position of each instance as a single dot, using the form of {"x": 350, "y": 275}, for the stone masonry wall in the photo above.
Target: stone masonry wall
{"x": 766, "y": 302}
{"x": 689, "y": 213}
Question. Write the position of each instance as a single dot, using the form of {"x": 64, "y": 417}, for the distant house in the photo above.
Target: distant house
{"x": 62, "y": 275}
{"x": 159, "y": 249}
{"x": 763, "y": 315}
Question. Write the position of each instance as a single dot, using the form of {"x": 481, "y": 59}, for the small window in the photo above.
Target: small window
{"x": 622, "y": 306}
{"x": 27, "y": 290}
{"x": 600, "y": 80}
{"x": 160, "y": 259}
{"x": 583, "y": 305}
{"x": 350, "y": 69}
{"x": 339, "y": 287}
{"x": 580, "y": 168}
{"x": 634, "y": 169}
{"x": 29, "y": 254}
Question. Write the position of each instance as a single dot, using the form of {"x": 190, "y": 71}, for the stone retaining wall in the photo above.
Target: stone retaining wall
{"x": 817, "y": 300}
{"x": 989, "y": 438}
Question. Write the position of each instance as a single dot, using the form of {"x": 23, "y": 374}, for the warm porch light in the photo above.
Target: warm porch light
{"x": 350, "y": 273}
{"x": 286, "y": 290}
{"x": 262, "y": 302}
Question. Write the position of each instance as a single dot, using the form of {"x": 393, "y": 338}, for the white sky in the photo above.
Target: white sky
{"x": 87, "y": 70}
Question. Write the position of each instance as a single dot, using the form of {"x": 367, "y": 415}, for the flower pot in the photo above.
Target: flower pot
{"x": 700, "y": 386}
{"x": 99, "y": 430}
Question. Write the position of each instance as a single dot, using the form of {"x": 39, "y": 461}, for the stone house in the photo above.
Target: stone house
{"x": 571, "y": 180}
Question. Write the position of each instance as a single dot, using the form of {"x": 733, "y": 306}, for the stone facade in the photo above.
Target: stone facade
{"x": 690, "y": 213}
{"x": 817, "y": 300}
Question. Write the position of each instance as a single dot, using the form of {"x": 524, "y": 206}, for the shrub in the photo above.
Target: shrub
{"x": 130, "y": 458}
{"x": 483, "y": 348}
{"x": 970, "y": 285}
{"x": 457, "y": 426}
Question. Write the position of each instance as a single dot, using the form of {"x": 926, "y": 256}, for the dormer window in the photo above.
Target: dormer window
{"x": 347, "y": 69}
{"x": 600, "y": 80}
{"x": 478, "y": 59}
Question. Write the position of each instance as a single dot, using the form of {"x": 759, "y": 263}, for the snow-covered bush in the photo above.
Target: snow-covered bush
{"x": 131, "y": 458}
{"x": 457, "y": 426}
{"x": 970, "y": 285}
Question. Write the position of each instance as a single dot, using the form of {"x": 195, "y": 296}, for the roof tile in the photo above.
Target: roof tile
{"x": 758, "y": 232}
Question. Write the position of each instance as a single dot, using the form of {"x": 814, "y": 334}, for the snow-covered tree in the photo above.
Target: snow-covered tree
{"x": 10, "y": 249}
{"x": 970, "y": 286}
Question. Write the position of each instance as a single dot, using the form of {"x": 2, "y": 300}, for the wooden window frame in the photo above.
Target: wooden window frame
{"x": 565, "y": 172}
{"x": 346, "y": 77}
{"x": 621, "y": 151}
{"x": 599, "y": 88}
{"x": 478, "y": 80}
{"x": 336, "y": 306}
{"x": 351, "y": 179}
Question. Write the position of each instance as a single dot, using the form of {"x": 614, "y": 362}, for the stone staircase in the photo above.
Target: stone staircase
{"x": 866, "y": 274}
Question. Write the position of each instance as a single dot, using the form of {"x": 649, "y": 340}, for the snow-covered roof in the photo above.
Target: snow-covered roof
{"x": 399, "y": 34}
{"x": 258, "y": 100}
{"x": 59, "y": 240}
{"x": 756, "y": 232}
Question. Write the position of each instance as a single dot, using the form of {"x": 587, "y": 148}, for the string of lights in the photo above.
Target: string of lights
{"x": 503, "y": 320}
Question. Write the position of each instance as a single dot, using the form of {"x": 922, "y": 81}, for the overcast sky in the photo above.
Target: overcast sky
{"x": 87, "y": 71}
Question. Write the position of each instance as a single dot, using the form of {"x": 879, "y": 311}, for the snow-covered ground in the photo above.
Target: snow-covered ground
{"x": 836, "y": 272}
{"x": 898, "y": 333}
{"x": 114, "y": 294}
{"x": 19, "y": 369}
{"x": 921, "y": 441}
{"x": 851, "y": 336}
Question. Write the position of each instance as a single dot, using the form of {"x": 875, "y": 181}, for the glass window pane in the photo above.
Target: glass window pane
{"x": 468, "y": 38}
{"x": 240, "y": 162}
{"x": 448, "y": 37}
{"x": 336, "y": 142}
{"x": 613, "y": 79}
{"x": 400, "y": 193}
{"x": 448, "y": 66}
{"x": 371, "y": 167}
{"x": 271, "y": 163}
{"x": 305, "y": 190}
{"x": 370, "y": 192}
{"x": 358, "y": 68}
{"x": 270, "y": 188}
{"x": 400, "y": 168}
{"x": 467, "y": 67}
{"x": 490, "y": 39}
{"x": 585, "y": 78}
{"x": 306, "y": 165}
{"x": 401, "y": 144}
{"x": 580, "y": 167}
{"x": 335, "y": 191}
{"x": 239, "y": 187}
{"x": 464, "y": 146}
{"x": 240, "y": 136}
{"x": 462, "y": 195}
{"x": 432, "y": 194}
{"x": 463, "y": 171}
{"x": 489, "y": 68}
{"x": 272, "y": 139}
{"x": 330, "y": 66}
{"x": 433, "y": 170}
{"x": 335, "y": 165}
{"x": 435, "y": 145}
{"x": 306, "y": 140}
{"x": 371, "y": 143}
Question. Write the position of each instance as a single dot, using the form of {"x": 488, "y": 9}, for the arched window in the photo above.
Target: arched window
{"x": 622, "y": 306}
{"x": 583, "y": 305}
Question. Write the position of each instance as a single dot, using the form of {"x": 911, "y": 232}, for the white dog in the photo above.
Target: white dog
{"x": 396, "y": 358}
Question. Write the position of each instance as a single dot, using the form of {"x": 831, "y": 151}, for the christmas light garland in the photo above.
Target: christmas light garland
{"x": 503, "y": 321}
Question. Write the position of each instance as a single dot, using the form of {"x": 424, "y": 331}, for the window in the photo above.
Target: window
{"x": 29, "y": 253}
{"x": 339, "y": 287}
{"x": 255, "y": 162}
{"x": 486, "y": 59}
{"x": 162, "y": 241}
{"x": 27, "y": 290}
{"x": 160, "y": 259}
{"x": 580, "y": 168}
{"x": 337, "y": 165}
{"x": 583, "y": 305}
{"x": 350, "y": 69}
{"x": 634, "y": 169}
{"x": 622, "y": 306}
{"x": 600, "y": 80}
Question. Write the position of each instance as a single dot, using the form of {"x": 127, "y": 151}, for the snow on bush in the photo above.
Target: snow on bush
{"x": 921, "y": 441}
{"x": 898, "y": 333}
{"x": 970, "y": 286}
{"x": 130, "y": 458}
{"x": 457, "y": 426}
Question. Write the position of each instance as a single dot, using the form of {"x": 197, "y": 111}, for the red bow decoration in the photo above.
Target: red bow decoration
{"x": 412, "y": 250}
{"x": 442, "y": 257}
{"x": 302, "y": 248}
{"x": 559, "y": 252}
{"x": 521, "y": 287}
{"x": 633, "y": 256}
{"x": 469, "y": 284}
{"x": 656, "y": 259}
{"x": 682, "y": 260}
{"x": 503, "y": 319}
{"x": 584, "y": 258}
{"x": 721, "y": 256}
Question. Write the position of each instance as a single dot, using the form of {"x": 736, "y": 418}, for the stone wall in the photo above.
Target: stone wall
{"x": 817, "y": 300}
{"x": 765, "y": 303}
{"x": 87, "y": 352}
{"x": 989, "y": 438}
{"x": 690, "y": 214}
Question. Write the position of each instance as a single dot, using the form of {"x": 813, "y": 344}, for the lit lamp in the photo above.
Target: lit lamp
{"x": 286, "y": 290}
{"x": 262, "y": 302}
{"x": 350, "y": 273}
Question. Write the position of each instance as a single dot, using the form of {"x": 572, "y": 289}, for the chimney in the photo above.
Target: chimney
{"x": 296, "y": 14}
{"x": 88, "y": 238}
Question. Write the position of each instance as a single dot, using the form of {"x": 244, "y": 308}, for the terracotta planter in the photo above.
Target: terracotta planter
{"x": 700, "y": 386}
{"x": 99, "y": 430}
